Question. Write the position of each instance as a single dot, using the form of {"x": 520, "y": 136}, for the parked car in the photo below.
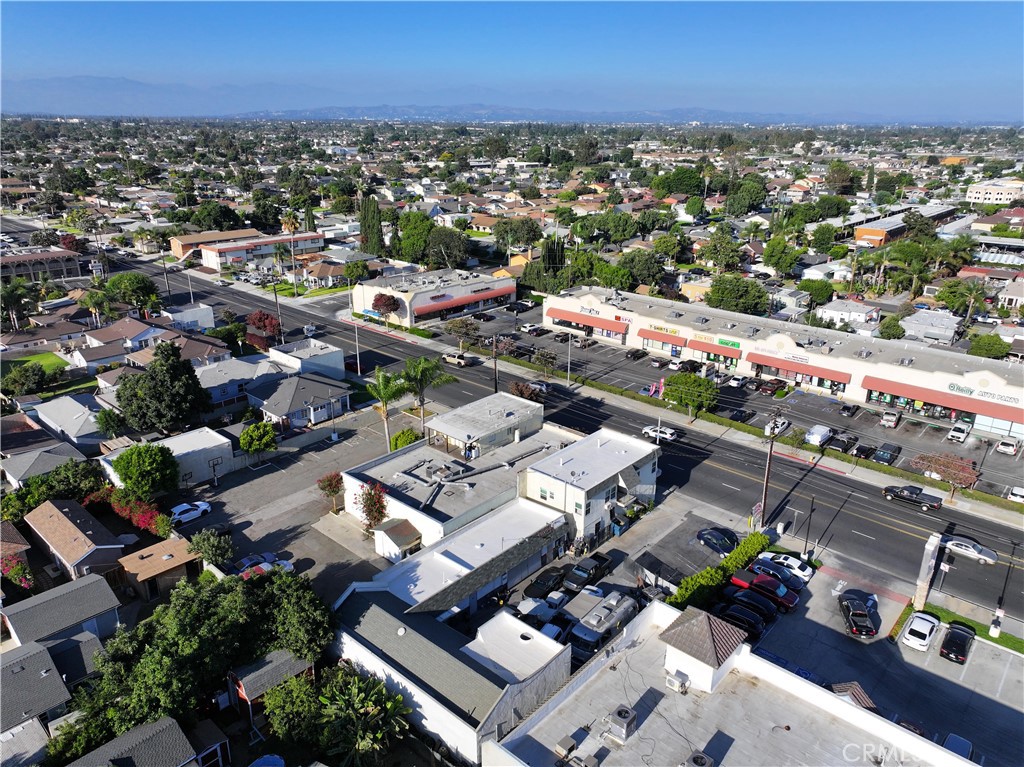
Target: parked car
{"x": 890, "y": 419}
{"x": 1008, "y": 446}
{"x": 913, "y": 496}
{"x": 781, "y": 597}
{"x": 776, "y": 426}
{"x": 920, "y": 631}
{"x": 660, "y": 432}
{"x": 772, "y": 386}
{"x": 741, "y": 416}
{"x": 741, "y": 618}
{"x": 819, "y": 435}
{"x": 558, "y": 627}
{"x": 863, "y": 451}
{"x": 526, "y": 327}
{"x": 858, "y": 620}
{"x": 848, "y": 411}
{"x": 780, "y": 573}
{"x": 659, "y": 363}
{"x": 561, "y": 337}
{"x": 514, "y": 307}
{"x": 245, "y": 563}
{"x": 184, "y": 513}
{"x": 754, "y": 384}
{"x": 636, "y": 354}
{"x": 886, "y": 453}
{"x": 752, "y": 601}
{"x": 582, "y": 342}
{"x": 539, "y": 331}
{"x": 483, "y": 316}
{"x": 738, "y": 382}
{"x": 844, "y": 442}
{"x": 549, "y": 580}
{"x": 959, "y": 544}
{"x": 1016, "y": 494}
{"x": 720, "y": 540}
{"x": 676, "y": 364}
{"x": 220, "y": 529}
{"x": 959, "y": 432}
{"x": 647, "y": 390}
{"x": 587, "y": 571}
{"x": 956, "y": 645}
{"x": 796, "y": 566}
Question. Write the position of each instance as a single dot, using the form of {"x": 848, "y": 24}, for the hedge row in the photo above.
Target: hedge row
{"x": 392, "y": 326}
{"x": 701, "y": 588}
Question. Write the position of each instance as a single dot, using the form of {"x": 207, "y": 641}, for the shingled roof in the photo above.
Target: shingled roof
{"x": 69, "y": 604}
{"x": 703, "y": 637}
{"x": 158, "y": 744}
{"x": 269, "y": 671}
{"x": 31, "y": 685}
{"x": 69, "y": 530}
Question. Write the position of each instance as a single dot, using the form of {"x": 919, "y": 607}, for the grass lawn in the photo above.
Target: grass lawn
{"x": 325, "y": 291}
{"x": 48, "y": 360}
{"x": 285, "y": 289}
{"x": 78, "y": 386}
{"x": 474, "y": 233}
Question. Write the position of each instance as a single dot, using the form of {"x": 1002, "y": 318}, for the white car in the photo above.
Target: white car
{"x": 188, "y": 512}
{"x": 221, "y": 283}
{"x": 958, "y": 544}
{"x": 776, "y": 426}
{"x": 920, "y": 631}
{"x": 959, "y": 432}
{"x": 890, "y": 419}
{"x": 738, "y": 382}
{"x": 660, "y": 432}
{"x": 675, "y": 365}
{"x": 542, "y": 386}
{"x": 1008, "y": 446}
{"x": 1016, "y": 494}
{"x": 526, "y": 327}
{"x": 255, "y": 559}
{"x": 796, "y": 566}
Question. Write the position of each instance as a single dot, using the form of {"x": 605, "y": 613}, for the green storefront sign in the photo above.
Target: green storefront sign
{"x": 733, "y": 344}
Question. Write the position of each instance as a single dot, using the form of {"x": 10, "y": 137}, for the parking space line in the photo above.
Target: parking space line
{"x": 1006, "y": 668}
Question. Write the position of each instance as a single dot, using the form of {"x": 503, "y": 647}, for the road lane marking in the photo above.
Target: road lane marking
{"x": 730, "y": 487}
{"x": 858, "y": 532}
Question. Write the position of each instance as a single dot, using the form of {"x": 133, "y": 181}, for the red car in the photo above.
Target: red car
{"x": 770, "y": 587}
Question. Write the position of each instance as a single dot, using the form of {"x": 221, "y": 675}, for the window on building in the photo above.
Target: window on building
{"x": 579, "y": 507}
{"x": 544, "y": 495}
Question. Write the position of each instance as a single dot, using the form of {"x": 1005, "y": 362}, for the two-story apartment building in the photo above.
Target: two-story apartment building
{"x": 241, "y": 252}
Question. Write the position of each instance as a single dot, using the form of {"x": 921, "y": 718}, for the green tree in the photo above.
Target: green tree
{"x": 26, "y": 379}
{"x": 111, "y": 423}
{"x": 386, "y": 388}
{"x": 721, "y": 250}
{"x": 213, "y": 216}
{"x": 446, "y": 248}
{"x": 821, "y": 290}
{"x": 552, "y": 254}
{"x": 739, "y": 295}
{"x": 356, "y": 270}
{"x": 643, "y": 266}
{"x": 415, "y": 227}
{"x": 694, "y": 206}
{"x": 404, "y": 438}
{"x": 16, "y": 297}
{"x": 823, "y": 237}
{"x": 213, "y": 548}
{"x": 361, "y": 719}
{"x": 695, "y": 392}
{"x": 990, "y": 345}
{"x": 779, "y": 255}
{"x": 668, "y": 247}
{"x": 919, "y": 228}
{"x": 890, "y": 328}
{"x": 258, "y": 438}
{"x": 132, "y": 288}
{"x": 420, "y": 374}
{"x": 371, "y": 235}
{"x": 165, "y": 395}
{"x": 146, "y": 470}
{"x": 840, "y": 177}
{"x": 294, "y": 711}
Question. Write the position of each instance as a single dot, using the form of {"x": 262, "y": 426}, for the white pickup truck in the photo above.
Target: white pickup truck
{"x": 959, "y": 432}
{"x": 891, "y": 419}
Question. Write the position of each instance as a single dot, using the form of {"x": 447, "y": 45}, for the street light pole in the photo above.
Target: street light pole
{"x": 494, "y": 359}
{"x": 280, "y": 322}
{"x": 568, "y": 365}
{"x": 167, "y": 283}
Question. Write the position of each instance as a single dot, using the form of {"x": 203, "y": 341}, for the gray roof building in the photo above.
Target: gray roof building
{"x": 703, "y": 636}
{"x": 31, "y": 685}
{"x": 75, "y": 656}
{"x": 158, "y": 744}
{"x": 70, "y": 604}
{"x": 299, "y": 393}
{"x": 269, "y": 671}
{"x": 20, "y": 467}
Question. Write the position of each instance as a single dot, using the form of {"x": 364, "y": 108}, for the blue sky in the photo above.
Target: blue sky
{"x": 902, "y": 61}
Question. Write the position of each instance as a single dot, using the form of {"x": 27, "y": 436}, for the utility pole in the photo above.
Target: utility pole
{"x": 773, "y": 426}
{"x": 807, "y": 532}
{"x": 568, "y": 364}
{"x": 167, "y": 283}
{"x": 494, "y": 359}
{"x": 280, "y": 322}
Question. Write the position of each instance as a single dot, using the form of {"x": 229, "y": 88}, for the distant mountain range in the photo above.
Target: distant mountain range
{"x": 88, "y": 96}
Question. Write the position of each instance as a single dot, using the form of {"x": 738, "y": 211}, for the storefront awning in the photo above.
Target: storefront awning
{"x": 588, "y": 320}
{"x": 725, "y": 351}
{"x": 799, "y": 367}
{"x": 1011, "y": 413}
{"x": 665, "y": 338}
{"x": 472, "y": 298}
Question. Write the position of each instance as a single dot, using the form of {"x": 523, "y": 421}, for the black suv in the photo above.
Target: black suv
{"x": 858, "y": 620}
{"x": 636, "y": 354}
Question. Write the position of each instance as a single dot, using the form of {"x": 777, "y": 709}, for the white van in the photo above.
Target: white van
{"x": 819, "y": 436}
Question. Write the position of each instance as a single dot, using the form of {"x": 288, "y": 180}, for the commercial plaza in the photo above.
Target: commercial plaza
{"x": 927, "y": 381}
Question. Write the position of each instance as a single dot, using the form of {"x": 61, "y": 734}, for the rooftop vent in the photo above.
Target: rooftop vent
{"x": 906, "y": 361}
{"x": 702, "y": 320}
{"x": 864, "y": 353}
{"x": 621, "y": 723}
{"x": 730, "y": 325}
{"x": 674, "y": 315}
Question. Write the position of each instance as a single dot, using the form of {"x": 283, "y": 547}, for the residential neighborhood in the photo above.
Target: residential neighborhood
{"x": 420, "y": 438}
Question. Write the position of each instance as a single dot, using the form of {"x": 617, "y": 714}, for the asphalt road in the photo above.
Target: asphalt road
{"x": 848, "y": 516}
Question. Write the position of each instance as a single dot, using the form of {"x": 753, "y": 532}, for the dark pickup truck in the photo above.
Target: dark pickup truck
{"x": 912, "y": 495}
{"x": 586, "y": 572}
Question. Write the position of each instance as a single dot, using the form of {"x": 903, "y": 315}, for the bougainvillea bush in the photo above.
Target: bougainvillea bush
{"x": 17, "y": 571}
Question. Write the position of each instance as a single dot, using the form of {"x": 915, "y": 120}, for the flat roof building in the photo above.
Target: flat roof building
{"x": 997, "y": 191}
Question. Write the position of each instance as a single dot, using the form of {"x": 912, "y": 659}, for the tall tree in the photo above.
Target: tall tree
{"x": 165, "y": 395}
{"x": 361, "y": 719}
{"x": 420, "y": 374}
{"x": 692, "y": 391}
{"x": 331, "y": 485}
{"x": 16, "y": 297}
{"x": 146, "y": 470}
{"x": 446, "y": 248}
{"x": 371, "y": 235}
{"x": 739, "y": 295}
{"x": 415, "y": 227}
{"x": 721, "y": 251}
{"x": 132, "y": 288}
{"x": 258, "y": 438}
{"x": 386, "y": 388}
{"x": 290, "y": 224}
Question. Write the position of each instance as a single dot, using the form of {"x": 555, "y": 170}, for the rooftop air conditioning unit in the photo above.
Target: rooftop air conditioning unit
{"x": 698, "y": 759}
{"x": 864, "y": 353}
{"x": 677, "y": 682}
{"x": 621, "y": 723}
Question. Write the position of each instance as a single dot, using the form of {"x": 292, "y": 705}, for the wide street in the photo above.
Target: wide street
{"x": 830, "y": 510}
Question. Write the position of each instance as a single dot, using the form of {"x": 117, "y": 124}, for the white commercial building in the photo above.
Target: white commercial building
{"x": 910, "y": 376}
{"x": 239, "y": 253}
{"x": 432, "y": 295}
{"x": 997, "y": 191}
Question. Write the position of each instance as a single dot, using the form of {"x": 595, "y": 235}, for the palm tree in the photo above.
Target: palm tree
{"x": 751, "y": 230}
{"x": 919, "y": 271}
{"x": 386, "y": 388}
{"x": 97, "y": 302}
{"x": 420, "y": 374}
{"x": 15, "y": 297}
{"x": 44, "y": 285}
{"x": 290, "y": 224}
{"x": 958, "y": 251}
{"x": 974, "y": 292}
{"x": 280, "y": 254}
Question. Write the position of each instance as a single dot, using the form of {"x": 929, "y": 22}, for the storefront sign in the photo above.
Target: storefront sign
{"x": 619, "y": 318}
{"x": 586, "y": 310}
{"x": 669, "y": 331}
{"x": 439, "y": 297}
{"x": 984, "y": 394}
{"x": 732, "y": 344}
{"x": 704, "y": 337}
{"x": 796, "y": 358}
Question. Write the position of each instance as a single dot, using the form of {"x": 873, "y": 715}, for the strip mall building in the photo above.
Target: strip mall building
{"x": 908, "y": 376}
{"x": 434, "y": 295}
